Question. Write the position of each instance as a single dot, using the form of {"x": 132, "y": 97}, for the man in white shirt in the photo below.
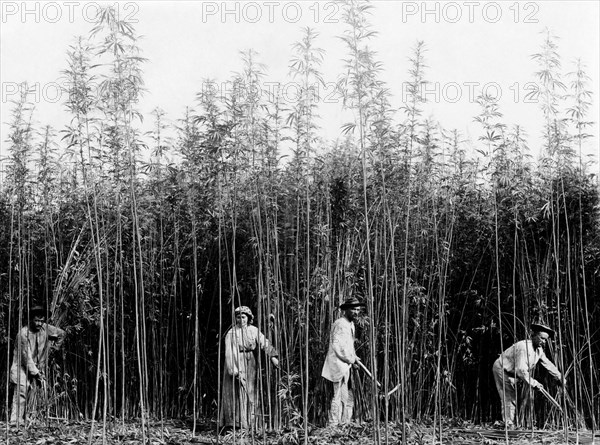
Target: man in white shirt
{"x": 340, "y": 357}
{"x": 517, "y": 362}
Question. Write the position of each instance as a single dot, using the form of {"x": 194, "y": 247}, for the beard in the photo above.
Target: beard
{"x": 537, "y": 343}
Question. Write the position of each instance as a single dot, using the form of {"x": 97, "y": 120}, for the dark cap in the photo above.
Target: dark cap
{"x": 538, "y": 327}
{"x": 37, "y": 311}
{"x": 350, "y": 303}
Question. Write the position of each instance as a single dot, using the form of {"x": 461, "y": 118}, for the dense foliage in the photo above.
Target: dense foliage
{"x": 141, "y": 245}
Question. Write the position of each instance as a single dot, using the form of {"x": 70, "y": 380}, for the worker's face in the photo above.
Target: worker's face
{"x": 241, "y": 319}
{"x": 36, "y": 323}
{"x": 352, "y": 313}
{"x": 540, "y": 339}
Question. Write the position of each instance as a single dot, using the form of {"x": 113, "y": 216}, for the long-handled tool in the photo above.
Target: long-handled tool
{"x": 393, "y": 390}
{"x": 549, "y": 397}
{"x": 366, "y": 371}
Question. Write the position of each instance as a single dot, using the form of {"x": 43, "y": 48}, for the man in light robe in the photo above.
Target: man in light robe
{"x": 516, "y": 363}
{"x": 340, "y": 357}
{"x": 30, "y": 357}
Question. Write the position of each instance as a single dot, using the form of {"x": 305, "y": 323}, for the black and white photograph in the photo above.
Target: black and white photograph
{"x": 299, "y": 222}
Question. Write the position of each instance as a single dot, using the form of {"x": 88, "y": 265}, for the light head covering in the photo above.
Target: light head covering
{"x": 539, "y": 327}
{"x": 245, "y": 310}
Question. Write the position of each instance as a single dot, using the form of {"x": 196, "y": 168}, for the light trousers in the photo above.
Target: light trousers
{"x": 342, "y": 404}
{"x": 507, "y": 389}
{"x": 19, "y": 403}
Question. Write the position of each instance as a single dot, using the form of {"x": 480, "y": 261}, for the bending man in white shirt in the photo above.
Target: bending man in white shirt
{"x": 517, "y": 362}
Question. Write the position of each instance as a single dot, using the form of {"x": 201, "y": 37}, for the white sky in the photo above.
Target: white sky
{"x": 470, "y": 44}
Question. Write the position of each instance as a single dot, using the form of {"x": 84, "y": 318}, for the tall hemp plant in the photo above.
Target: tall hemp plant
{"x": 83, "y": 153}
{"x": 558, "y": 157}
{"x": 359, "y": 88}
{"x": 581, "y": 99}
{"x": 120, "y": 86}
{"x": 19, "y": 192}
{"x": 305, "y": 69}
{"x": 410, "y": 129}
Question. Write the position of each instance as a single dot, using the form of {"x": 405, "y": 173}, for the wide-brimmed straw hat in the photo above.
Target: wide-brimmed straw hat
{"x": 350, "y": 303}
{"x": 538, "y": 327}
{"x": 245, "y": 310}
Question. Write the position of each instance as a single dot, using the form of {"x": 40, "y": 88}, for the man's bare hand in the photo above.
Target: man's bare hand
{"x": 275, "y": 361}
{"x": 41, "y": 379}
